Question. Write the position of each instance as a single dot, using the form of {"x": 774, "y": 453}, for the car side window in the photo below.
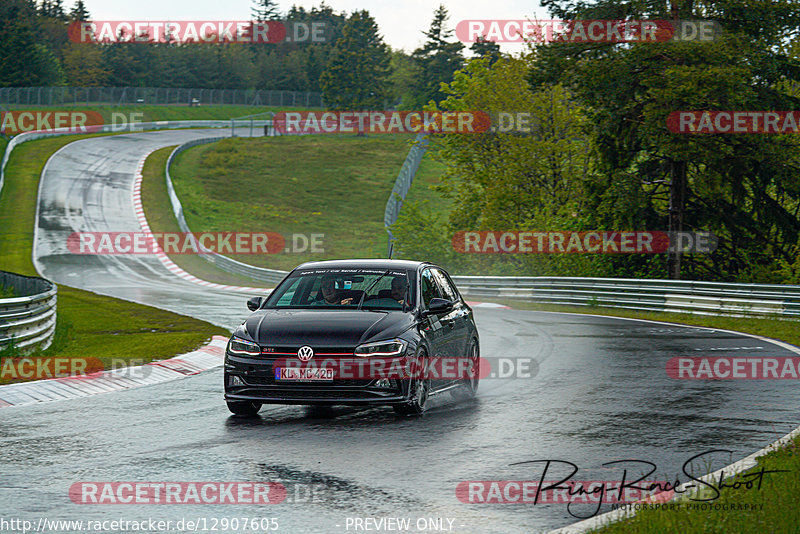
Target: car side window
{"x": 430, "y": 289}
{"x": 448, "y": 290}
{"x": 288, "y": 296}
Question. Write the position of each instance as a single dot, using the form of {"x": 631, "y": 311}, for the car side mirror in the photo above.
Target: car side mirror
{"x": 254, "y": 303}
{"x": 438, "y": 306}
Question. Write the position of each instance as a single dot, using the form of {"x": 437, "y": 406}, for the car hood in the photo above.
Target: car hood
{"x": 328, "y": 328}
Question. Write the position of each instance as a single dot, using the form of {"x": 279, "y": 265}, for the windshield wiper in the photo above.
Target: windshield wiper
{"x": 363, "y": 295}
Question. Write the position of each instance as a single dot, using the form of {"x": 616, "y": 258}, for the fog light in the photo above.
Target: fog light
{"x": 383, "y": 383}
{"x": 234, "y": 380}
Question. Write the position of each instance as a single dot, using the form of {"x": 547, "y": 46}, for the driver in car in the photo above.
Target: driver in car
{"x": 330, "y": 295}
{"x": 399, "y": 289}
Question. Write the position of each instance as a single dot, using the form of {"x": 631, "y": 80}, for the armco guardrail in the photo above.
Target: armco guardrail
{"x": 709, "y": 298}
{"x": 27, "y": 320}
{"x": 223, "y": 262}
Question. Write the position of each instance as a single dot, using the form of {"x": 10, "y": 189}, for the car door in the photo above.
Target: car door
{"x": 438, "y": 333}
{"x": 457, "y": 321}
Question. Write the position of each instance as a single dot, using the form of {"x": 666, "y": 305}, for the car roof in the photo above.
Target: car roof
{"x": 365, "y": 263}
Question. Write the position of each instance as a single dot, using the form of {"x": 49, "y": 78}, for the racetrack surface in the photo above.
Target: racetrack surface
{"x": 598, "y": 392}
{"x": 87, "y": 187}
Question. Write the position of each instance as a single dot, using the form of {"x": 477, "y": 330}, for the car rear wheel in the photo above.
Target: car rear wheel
{"x": 244, "y": 407}
{"x": 420, "y": 391}
{"x": 469, "y": 384}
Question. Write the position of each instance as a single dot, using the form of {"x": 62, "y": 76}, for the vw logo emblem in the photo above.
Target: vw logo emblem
{"x": 305, "y": 353}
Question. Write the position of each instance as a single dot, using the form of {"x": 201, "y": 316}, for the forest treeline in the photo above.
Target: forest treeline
{"x": 352, "y": 65}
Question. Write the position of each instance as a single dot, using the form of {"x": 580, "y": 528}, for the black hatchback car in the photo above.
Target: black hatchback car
{"x": 356, "y": 332}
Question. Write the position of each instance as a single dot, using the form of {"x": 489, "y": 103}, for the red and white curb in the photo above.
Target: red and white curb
{"x": 73, "y": 387}
{"x": 168, "y": 263}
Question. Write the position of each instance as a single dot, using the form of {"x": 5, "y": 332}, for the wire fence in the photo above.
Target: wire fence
{"x": 115, "y": 96}
{"x": 403, "y": 184}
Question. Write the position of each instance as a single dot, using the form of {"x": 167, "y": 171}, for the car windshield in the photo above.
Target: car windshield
{"x": 383, "y": 289}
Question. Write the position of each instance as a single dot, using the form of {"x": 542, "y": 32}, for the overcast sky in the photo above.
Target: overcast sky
{"x": 400, "y": 21}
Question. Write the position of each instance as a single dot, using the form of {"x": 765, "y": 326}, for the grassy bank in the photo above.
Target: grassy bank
{"x": 775, "y": 503}
{"x": 336, "y": 186}
{"x": 88, "y": 325}
{"x": 161, "y": 219}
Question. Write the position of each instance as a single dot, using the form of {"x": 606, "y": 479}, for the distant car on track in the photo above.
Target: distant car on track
{"x": 356, "y": 332}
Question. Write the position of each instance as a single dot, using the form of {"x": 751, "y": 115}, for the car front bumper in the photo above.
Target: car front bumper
{"x": 258, "y": 384}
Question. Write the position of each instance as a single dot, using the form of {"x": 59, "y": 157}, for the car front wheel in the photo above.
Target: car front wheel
{"x": 420, "y": 390}
{"x": 244, "y": 407}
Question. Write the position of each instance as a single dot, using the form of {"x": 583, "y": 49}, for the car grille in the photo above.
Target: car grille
{"x": 284, "y": 351}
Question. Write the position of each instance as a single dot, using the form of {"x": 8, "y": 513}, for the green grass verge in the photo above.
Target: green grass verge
{"x": 775, "y": 503}
{"x": 88, "y": 325}
{"x": 422, "y": 190}
{"x": 161, "y": 219}
{"x": 334, "y": 185}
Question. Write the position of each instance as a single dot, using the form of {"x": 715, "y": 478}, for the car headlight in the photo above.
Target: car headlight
{"x": 242, "y": 346}
{"x": 395, "y": 347}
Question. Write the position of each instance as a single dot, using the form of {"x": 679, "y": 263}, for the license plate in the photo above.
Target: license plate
{"x": 294, "y": 374}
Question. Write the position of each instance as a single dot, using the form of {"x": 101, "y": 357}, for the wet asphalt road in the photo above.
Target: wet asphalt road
{"x": 599, "y": 392}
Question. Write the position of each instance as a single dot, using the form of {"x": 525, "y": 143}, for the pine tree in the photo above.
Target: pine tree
{"x": 437, "y": 60}
{"x": 743, "y": 188}
{"x": 356, "y": 77}
{"x": 79, "y": 12}
{"x": 57, "y": 10}
{"x": 265, "y": 10}
{"x": 23, "y": 60}
{"x": 486, "y": 49}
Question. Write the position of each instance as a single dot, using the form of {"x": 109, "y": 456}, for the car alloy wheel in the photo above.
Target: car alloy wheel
{"x": 420, "y": 390}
